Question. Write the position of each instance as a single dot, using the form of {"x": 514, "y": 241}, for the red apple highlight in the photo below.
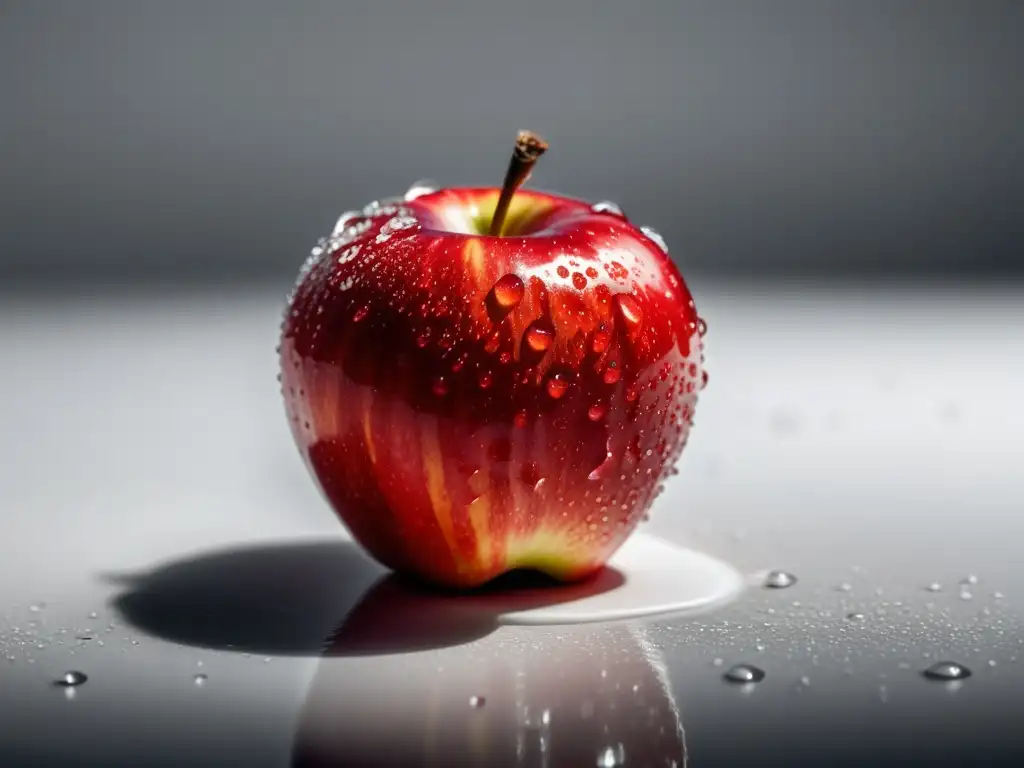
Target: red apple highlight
{"x": 472, "y": 404}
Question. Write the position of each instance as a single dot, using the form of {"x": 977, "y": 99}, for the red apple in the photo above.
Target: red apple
{"x": 472, "y": 404}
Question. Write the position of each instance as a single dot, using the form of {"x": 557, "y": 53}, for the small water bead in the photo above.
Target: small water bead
{"x": 702, "y": 326}
{"x": 654, "y": 235}
{"x": 199, "y": 679}
{"x": 970, "y": 580}
{"x": 855, "y": 616}
{"x": 477, "y": 701}
{"x": 592, "y": 273}
{"x": 71, "y": 679}
{"x": 844, "y": 587}
{"x": 360, "y": 314}
{"x": 563, "y": 272}
{"x": 779, "y": 580}
{"x": 419, "y": 189}
{"x": 557, "y": 386}
{"x": 612, "y": 374}
{"x": 947, "y": 670}
{"x": 579, "y": 281}
{"x": 934, "y": 587}
{"x": 607, "y": 206}
{"x": 597, "y": 411}
{"x": 744, "y": 673}
{"x": 508, "y": 291}
{"x": 539, "y": 335}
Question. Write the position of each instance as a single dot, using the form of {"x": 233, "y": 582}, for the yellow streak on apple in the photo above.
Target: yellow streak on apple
{"x": 543, "y": 550}
{"x": 367, "y": 429}
{"x": 433, "y": 468}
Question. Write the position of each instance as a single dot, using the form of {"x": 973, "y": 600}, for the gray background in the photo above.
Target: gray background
{"x": 192, "y": 140}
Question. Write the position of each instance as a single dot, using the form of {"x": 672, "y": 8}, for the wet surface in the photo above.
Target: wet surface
{"x": 161, "y": 539}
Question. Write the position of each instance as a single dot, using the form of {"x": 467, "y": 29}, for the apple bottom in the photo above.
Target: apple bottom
{"x": 414, "y": 515}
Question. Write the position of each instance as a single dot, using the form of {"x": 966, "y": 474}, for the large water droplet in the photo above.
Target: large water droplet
{"x": 71, "y": 679}
{"x": 345, "y": 221}
{"x": 508, "y": 291}
{"x": 557, "y": 386}
{"x": 629, "y": 310}
{"x": 947, "y": 670}
{"x": 607, "y": 206}
{"x": 612, "y": 373}
{"x": 597, "y": 411}
{"x": 579, "y": 282}
{"x": 654, "y": 235}
{"x": 744, "y": 673}
{"x": 599, "y": 342}
{"x": 420, "y": 188}
{"x": 562, "y": 271}
{"x": 539, "y": 335}
{"x": 779, "y": 580}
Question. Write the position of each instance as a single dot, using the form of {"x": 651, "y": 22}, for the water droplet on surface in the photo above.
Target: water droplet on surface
{"x": 744, "y": 673}
{"x": 562, "y": 271}
{"x": 612, "y": 374}
{"x": 947, "y": 670}
{"x": 508, "y": 291}
{"x": 654, "y": 235}
{"x": 579, "y": 282}
{"x": 629, "y": 310}
{"x": 599, "y": 342}
{"x": 93, "y": 615}
{"x": 360, "y": 314}
{"x": 702, "y": 326}
{"x": 36, "y": 607}
{"x": 199, "y": 679}
{"x": 597, "y": 411}
{"x": 71, "y": 679}
{"x": 607, "y": 206}
{"x": 477, "y": 701}
{"x": 779, "y": 580}
{"x": 844, "y": 587}
{"x": 934, "y": 587}
{"x": 970, "y": 579}
{"x": 440, "y": 387}
{"x": 485, "y": 379}
{"x": 557, "y": 386}
{"x": 420, "y": 188}
{"x": 539, "y": 335}
{"x": 855, "y": 616}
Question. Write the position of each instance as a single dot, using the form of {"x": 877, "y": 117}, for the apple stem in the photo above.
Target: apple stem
{"x": 529, "y": 147}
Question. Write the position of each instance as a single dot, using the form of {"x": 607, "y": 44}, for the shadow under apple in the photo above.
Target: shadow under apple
{"x": 312, "y": 598}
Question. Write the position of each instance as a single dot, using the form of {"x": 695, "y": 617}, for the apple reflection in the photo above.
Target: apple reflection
{"x": 584, "y": 695}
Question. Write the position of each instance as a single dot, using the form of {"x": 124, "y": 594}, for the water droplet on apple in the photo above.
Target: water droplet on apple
{"x": 360, "y": 314}
{"x": 440, "y": 387}
{"x": 654, "y": 235}
{"x": 562, "y": 271}
{"x": 702, "y": 326}
{"x": 629, "y": 310}
{"x": 347, "y": 219}
{"x": 579, "y": 281}
{"x": 71, "y": 679}
{"x": 521, "y": 419}
{"x": 420, "y": 188}
{"x": 539, "y": 335}
{"x": 599, "y": 341}
{"x": 612, "y": 374}
{"x": 597, "y": 411}
{"x": 557, "y": 386}
{"x": 703, "y": 379}
{"x": 485, "y": 379}
{"x": 607, "y": 206}
{"x": 508, "y": 291}
{"x": 592, "y": 273}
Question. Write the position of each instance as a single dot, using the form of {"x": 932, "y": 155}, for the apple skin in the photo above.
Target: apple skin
{"x": 470, "y": 404}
